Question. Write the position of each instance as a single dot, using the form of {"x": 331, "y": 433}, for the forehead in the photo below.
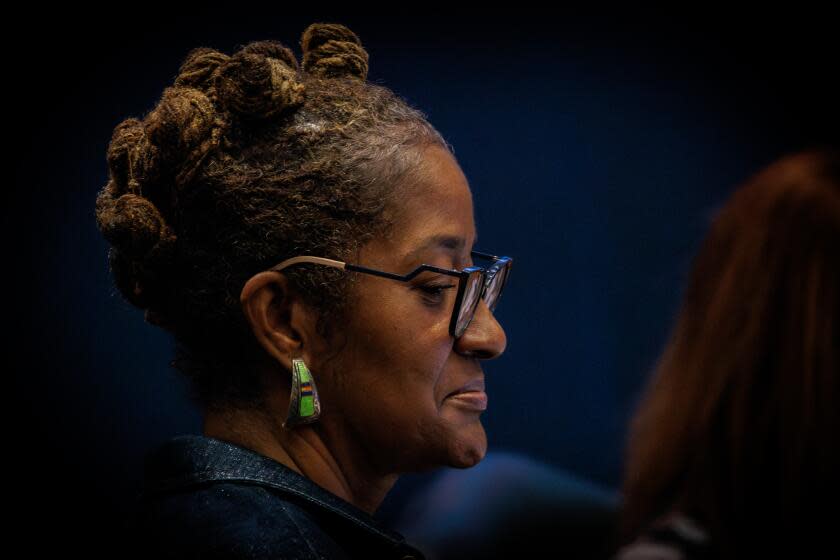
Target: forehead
{"x": 434, "y": 214}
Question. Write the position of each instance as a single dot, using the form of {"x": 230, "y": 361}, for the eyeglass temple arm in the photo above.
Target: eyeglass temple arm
{"x": 347, "y": 266}
{"x": 308, "y": 259}
{"x": 403, "y": 277}
{"x": 484, "y": 255}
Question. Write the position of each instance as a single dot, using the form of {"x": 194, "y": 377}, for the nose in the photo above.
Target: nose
{"x": 484, "y": 338}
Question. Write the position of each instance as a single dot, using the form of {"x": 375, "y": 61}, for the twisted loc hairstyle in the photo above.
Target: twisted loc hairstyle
{"x": 247, "y": 160}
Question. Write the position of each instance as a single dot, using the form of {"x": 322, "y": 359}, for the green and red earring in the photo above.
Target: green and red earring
{"x": 304, "y": 405}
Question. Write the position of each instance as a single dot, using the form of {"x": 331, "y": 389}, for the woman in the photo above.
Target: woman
{"x": 734, "y": 451}
{"x": 306, "y": 237}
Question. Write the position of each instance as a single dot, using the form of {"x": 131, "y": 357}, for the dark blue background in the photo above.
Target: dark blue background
{"x": 597, "y": 149}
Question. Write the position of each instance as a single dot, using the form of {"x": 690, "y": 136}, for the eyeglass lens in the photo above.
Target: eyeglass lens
{"x": 473, "y": 292}
{"x": 468, "y": 303}
{"x": 494, "y": 288}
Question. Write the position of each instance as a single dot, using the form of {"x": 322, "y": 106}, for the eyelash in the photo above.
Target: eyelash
{"x": 435, "y": 291}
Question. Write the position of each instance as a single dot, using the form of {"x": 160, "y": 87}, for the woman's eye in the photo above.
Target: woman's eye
{"x": 435, "y": 291}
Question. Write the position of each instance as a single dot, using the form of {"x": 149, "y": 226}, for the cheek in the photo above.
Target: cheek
{"x": 396, "y": 356}
{"x": 395, "y": 373}
{"x": 398, "y": 326}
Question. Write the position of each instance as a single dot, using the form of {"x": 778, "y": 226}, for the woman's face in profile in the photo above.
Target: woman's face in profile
{"x": 400, "y": 363}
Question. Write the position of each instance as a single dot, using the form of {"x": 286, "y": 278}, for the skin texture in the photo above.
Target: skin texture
{"x": 384, "y": 384}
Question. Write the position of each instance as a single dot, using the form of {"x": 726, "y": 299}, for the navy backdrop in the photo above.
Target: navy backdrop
{"x": 597, "y": 150}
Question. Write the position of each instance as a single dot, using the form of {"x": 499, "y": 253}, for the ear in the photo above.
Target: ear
{"x": 282, "y": 323}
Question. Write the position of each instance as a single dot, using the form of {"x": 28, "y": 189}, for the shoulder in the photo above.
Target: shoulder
{"x": 231, "y": 520}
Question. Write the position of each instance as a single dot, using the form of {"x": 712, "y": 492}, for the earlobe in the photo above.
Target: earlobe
{"x": 270, "y": 308}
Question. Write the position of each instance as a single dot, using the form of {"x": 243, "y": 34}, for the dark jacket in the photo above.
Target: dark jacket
{"x": 207, "y": 498}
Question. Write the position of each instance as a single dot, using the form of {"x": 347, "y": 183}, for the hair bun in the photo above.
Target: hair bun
{"x": 131, "y": 223}
{"x": 132, "y": 159}
{"x": 184, "y": 127}
{"x": 199, "y": 68}
{"x": 332, "y": 50}
{"x": 272, "y": 49}
{"x": 124, "y": 140}
{"x": 259, "y": 81}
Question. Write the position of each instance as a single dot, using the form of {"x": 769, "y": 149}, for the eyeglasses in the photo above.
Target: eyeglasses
{"x": 475, "y": 283}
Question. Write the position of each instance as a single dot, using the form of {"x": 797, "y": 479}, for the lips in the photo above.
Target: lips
{"x": 476, "y": 385}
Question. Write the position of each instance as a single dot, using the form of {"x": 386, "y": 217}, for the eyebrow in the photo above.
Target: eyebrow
{"x": 451, "y": 243}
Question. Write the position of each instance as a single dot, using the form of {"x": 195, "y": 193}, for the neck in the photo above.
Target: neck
{"x": 322, "y": 452}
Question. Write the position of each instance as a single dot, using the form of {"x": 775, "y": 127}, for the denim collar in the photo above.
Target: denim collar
{"x": 190, "y": 459}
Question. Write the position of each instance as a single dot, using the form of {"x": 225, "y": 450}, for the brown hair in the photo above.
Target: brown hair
{"x": 247, "y": 160}
{"x": 739, "y": 424}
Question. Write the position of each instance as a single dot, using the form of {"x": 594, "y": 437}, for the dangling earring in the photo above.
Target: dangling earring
{"x": 304, "y": 405}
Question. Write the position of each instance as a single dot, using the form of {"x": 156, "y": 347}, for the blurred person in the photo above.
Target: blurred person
{"x": 734, "y": 447}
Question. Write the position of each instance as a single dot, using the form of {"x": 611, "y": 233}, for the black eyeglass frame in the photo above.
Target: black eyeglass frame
{"x": 501, "y": 265}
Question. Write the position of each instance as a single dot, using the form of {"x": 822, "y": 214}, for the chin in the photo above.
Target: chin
{"x": 468, "y": 449}
{"x": 453, "y": 444}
